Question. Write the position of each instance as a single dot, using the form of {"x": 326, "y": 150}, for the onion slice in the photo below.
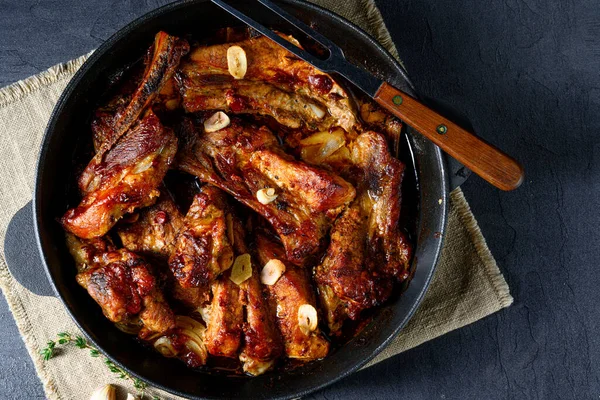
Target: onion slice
{"x": 164, "y": 346}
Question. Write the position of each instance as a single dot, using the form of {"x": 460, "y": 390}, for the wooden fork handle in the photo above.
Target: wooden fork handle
{"x": 485, "y": 160}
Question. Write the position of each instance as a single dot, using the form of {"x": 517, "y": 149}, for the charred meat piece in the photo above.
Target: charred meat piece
{"x": 262, "y": 343}
{"x": 122, "y": 285}
{"x": 152, "y": 232}
{"x": 346, "y": 284}
{"x": 88, "y": 253}
{"x": 291, "y": 291}
{"x": 226, "y": 315}
{"x": 202, "y": 248}
{"x": 262, "y": 340}
{"x": 276, "y": 83}
{"x": 125, "y": 179}
{"x": 380, "y": 121}
{"x": 368, "y": 252}
{"x": 193, "y": 298}
{"x": 245, "y": 159}
{"x": 388, "y": 248}
{"x": 289, "y": 109}
{"x": 122, "y": 112}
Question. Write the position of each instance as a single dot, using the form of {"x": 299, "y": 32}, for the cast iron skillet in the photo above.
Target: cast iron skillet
{"x": 54, "y": 182}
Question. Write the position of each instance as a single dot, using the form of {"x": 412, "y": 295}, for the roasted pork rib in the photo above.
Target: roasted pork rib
{"x": 202, "y": 249}
{"x": 153, "y": 230}
{"x": 124, "y": 178}
{"x": 292, "y": 290}
{"x": 113, "y": 120}
{"x": 242, "y": 159}
{"x": 276, "y": 83}
{"x": 122, "y": 284}
{"x": 262, "y": 344}
{"x": 132, "y": 155}
{"x": 368, "y": 253}
{"x": 224, "y": 326}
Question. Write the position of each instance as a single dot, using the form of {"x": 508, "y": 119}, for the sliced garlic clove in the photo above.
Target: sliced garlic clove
{"x": 217, "y": 121}
{"x": 318, "y": 111}
{"x": 266, "y": 196}
{"x": 271, "y": 272}
{"x": 104, "y": 393}
{"x": 242, "y": 269}
{"x": 307, "y": 318}
{"x": 237, "y": 62}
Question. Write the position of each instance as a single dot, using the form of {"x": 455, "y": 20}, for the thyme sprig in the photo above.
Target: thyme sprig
{"x": 65, "y": 338}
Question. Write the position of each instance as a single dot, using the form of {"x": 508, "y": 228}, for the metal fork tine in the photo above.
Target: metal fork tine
{"x": 303, "y": 54}
{"x": 334, "y": 48}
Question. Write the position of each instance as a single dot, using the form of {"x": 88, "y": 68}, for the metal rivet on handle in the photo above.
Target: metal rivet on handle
{"x": 397, "y": 100}
{"x": 441, "y": 129}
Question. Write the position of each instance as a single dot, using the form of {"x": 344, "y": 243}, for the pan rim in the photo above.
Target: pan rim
{"x": 71, "y": 89}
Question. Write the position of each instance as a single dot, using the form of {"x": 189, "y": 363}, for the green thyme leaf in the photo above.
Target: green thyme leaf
{"x": 65, "y": 338}
{"x": 80, "y": 342}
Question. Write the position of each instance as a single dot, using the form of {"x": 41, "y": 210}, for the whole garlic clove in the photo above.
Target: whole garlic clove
{"x": 217, "y": 121}
{"x": 271, "y": 272}
{"x": 266, "y": 196}
{"x": 237, "y": 64}
{"x": 307, "y": 318}
{"x": 242, "y": 269}
{"x": 104, "y": 393}
{"x": 132, "y": 397}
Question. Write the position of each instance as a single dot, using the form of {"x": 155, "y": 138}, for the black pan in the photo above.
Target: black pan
{"x": 54, "y": 186}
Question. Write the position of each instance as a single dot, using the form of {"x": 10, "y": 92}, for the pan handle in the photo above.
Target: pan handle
{"x": 485, "y": 160}
{"x": 22, "y": 254}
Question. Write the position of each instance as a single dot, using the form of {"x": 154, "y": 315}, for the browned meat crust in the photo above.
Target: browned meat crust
{"x": 276, "y": 84}
{"x": 202, "y": 249}
{"x": 368, "y": 253}
{"x": 122, "y": 285}
{"x": 292, "y": 290}
{"x": 153, "y": 230}
{"x": 124, "y": 178}
{"x": 224, "y": 327}
{"x": 113, "y": 121}
{"x": 262, "y": 344}
{"x": 244, "y": 159}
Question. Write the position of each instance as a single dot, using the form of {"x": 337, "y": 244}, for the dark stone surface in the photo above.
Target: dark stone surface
{"x": 525, "y": 73}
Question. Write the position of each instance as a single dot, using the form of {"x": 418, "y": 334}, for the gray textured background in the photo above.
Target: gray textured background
{"x": 526, "y": 73}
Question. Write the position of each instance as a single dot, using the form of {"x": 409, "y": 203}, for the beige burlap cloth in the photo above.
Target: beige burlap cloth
{"x": 467, "y": 285}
